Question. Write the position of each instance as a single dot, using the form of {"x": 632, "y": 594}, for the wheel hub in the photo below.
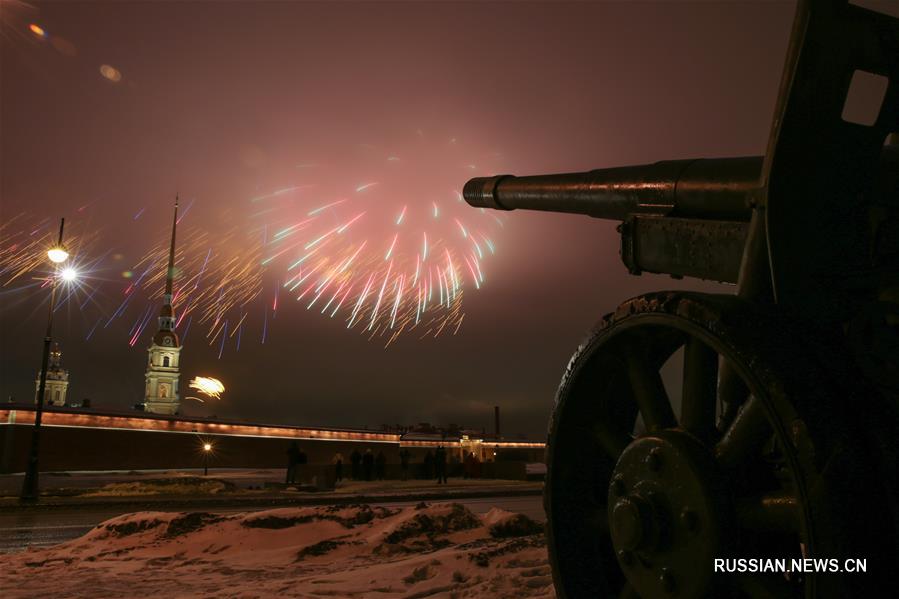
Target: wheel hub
{"x": 665, "y": 515}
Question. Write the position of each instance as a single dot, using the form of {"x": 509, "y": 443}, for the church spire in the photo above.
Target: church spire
{"x": 170, "y": 274}
{"x": 167, "y": 313}
{"x": 163, "y": 373}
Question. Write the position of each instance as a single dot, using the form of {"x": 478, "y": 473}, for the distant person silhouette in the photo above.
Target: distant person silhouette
{"x": 293, "y": 458}
{"x": 468, "y": 466}
{"x": 356, "y": 464}
{"x": 368, "y": 464}
{"x": 300, "y": 470}
{"x": 338, "y": 466}
{"x": 440, "y": 464}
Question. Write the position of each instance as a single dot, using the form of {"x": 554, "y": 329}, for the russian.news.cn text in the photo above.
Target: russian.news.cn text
{"x": 743, "y": 565}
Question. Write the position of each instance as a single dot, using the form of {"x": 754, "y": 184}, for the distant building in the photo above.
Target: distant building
{"x": 162, "y": 395}
{"x": 57, "y": 380}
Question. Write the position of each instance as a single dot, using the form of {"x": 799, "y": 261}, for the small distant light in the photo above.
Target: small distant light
{"x": 38, "y": 30}
{"x": 58, "y": 254}
{"x": 69, "y": 274}
{"x": 127, "y": 274}
{"x": 110, "y": 73}
{"x": 207, "y": 446}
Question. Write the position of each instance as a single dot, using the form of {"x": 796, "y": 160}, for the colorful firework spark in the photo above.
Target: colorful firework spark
{"x": 216, "y": 278}
{"x": 386, "y": 241}
{"x": 24, "y": 244}
{"x": 384, "y": 244}
{"x": 208, "y": 386}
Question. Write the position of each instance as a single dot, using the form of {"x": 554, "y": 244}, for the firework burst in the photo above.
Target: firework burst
{"x": 385, "y": 243}
{"x": 217, "y": 278}
{"x": 377, "y": 239}
{"x": 208, "y": 386}
{"x": 23, "y": 251}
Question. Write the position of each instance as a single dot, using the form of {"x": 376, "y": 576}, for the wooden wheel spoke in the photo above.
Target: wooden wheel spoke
{"x": 613, "y": 441}
{"x": 732, "y": 392}
{"x": 700, "y": 389}
{"x": 745, "y": 435}
{"x": 648, "y": 391}
{"x": 769, "y": 513}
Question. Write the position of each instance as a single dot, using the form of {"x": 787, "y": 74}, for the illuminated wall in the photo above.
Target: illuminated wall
{"x": 81, "y": 440}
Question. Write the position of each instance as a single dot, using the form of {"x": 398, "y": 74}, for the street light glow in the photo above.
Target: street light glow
{"x": 207, "y": 446}
{"x": 58, "y": 254}
{"x": 69, "y": 274}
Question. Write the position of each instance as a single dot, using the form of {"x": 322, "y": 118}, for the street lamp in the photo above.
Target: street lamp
{"x": 57, "y": 254}
{"x": 207, "y": 447}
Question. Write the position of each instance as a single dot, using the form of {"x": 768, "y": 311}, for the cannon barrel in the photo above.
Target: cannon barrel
{"x": 717, "y": 189}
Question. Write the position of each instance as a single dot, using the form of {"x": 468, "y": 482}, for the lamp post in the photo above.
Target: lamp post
{"x": 57, "y": 254}
{"x": 207, "y": 447}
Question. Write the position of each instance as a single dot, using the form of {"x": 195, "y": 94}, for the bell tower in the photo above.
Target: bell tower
{"x": 57, "y": 382}
{"x": 162, "y": 393}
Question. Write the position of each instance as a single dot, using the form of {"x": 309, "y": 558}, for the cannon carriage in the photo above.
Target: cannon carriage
{"x": 781, "y": 440}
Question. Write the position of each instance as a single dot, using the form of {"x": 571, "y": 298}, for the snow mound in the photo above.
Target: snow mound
{"x": 442, "y": 549}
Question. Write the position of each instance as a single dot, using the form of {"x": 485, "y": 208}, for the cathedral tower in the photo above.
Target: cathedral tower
{"x": 162, "y": 394}
{"x": 57, "y": 380}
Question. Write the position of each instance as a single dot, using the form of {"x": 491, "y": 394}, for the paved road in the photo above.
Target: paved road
{"x": 39, "y": 528}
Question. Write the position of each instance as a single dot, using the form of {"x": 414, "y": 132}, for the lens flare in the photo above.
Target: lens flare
{"x": 110, "y": 73}
{"x": 69, "y": 274}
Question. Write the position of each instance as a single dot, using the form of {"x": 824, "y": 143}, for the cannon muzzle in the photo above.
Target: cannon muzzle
{"x": 716, "y": 189}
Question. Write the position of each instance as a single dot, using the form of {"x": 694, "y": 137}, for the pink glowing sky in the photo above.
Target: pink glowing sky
{"x": 222, "y": 101}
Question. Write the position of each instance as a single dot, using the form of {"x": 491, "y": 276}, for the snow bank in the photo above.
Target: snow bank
{"x": 437, "y": 550}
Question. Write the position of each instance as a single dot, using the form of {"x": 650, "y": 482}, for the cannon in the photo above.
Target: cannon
{"x": 777, "y": 437}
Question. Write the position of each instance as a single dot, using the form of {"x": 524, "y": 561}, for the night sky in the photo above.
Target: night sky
{"x": 227, "y": 102}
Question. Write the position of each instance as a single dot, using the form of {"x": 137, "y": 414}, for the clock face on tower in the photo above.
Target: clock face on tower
{"x": 167, "y": 341}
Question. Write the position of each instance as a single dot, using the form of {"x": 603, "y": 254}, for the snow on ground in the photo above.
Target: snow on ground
{"x": 186, "y": 485}
{"x": 436, "y": 550}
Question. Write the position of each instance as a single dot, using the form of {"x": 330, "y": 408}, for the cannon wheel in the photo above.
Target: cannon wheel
{"x": 640, "y": 500}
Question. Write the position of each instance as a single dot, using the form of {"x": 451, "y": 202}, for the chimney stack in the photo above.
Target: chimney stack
{"x": 496, "y": 420}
